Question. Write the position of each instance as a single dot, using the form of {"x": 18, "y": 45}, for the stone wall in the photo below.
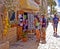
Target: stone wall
{"x": 12, "y": 35}
{"x": 1, "y": 28}
{"x": 4, "y": 45}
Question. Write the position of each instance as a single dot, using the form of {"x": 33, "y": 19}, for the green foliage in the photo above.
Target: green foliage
{"x": 54, "y": 10}
{"x": 24, "y": 35}
{"x": 51, "y": 3}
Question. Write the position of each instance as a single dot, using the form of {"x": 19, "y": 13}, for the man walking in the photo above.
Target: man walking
{"x": 55, "y": 24}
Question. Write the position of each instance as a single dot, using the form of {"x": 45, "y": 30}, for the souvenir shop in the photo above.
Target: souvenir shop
{"x": 25, "y": 16}
{"x": 16, "y": 22}
{"x": 25, "y": 22}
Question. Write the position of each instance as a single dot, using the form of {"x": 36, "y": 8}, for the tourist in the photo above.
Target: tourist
{"x": 37, "y": 27}
{"x": 43, "y": 28}
{"x": 55, "y": 24}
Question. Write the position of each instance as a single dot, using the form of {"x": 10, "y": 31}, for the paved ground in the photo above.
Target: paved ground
{"x": 30, "y": 44}
{"x": 52, "y": 42}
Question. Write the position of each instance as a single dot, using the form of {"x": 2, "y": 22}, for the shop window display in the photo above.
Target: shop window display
{"x": 11, "y": 15}
{"x": 30, "y": 23}
{"x": 25, "y": 20}
{"x": 20, "y": 20}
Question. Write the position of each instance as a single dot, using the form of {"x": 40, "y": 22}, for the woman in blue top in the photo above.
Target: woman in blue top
{"x": 55, "y": 24}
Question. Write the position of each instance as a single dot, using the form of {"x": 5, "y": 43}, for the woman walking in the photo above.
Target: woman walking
{"x": 43, "y": 28}
{"x": 37, "y": 26}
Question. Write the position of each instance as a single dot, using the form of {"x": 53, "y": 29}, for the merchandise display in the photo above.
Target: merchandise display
{"x": 6, "y": 26}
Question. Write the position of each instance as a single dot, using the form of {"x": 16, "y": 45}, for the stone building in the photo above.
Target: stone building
{"x": 6, "y": 33}
{"x": 1, "y": 22}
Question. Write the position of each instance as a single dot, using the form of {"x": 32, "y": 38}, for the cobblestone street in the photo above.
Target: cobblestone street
{"x": 52, "y": 42}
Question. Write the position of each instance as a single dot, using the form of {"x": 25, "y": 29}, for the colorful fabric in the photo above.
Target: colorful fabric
{"x": 25, "y": 16}
{"x": 25, "y": 27}
{"x": 13, "y": 16}
{"x": 37, "y": 24}
{"x": 37, "y": 34}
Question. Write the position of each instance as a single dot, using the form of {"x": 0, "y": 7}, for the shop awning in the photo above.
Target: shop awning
{"x": 29, "y": 5}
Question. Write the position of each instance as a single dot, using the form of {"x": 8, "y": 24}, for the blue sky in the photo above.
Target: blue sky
{"x": 58, "y": 5}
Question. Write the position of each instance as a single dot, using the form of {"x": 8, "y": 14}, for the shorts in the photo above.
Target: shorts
{"x": 43, "y": 25}
{"x": 38, "y": 27}
{"x": 55, "y": 25}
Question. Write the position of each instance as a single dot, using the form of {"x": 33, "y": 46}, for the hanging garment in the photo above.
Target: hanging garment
{"x": 37, "y": 34}
{"x": 43, "y": 22}
{"x": 12, "y": 17}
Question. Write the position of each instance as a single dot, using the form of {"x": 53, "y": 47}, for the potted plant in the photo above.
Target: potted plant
{"x": 24, "y": 37}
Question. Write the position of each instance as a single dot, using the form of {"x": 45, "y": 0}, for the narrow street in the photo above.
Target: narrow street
{"x": 23, "y": 23}
{"x": 30, "y": 44}
{"x": 52, "y": 42}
